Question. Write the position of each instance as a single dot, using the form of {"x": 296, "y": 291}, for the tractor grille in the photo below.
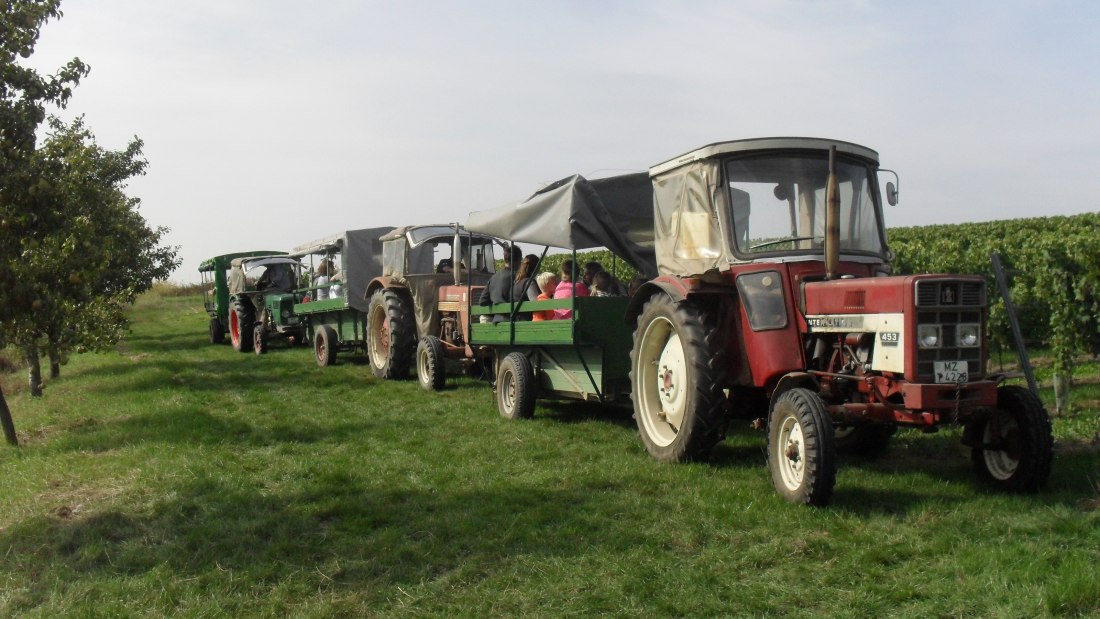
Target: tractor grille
{"x": 949, "y": 303}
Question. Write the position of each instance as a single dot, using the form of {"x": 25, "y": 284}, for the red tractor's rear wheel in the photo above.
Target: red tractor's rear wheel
{"x": 391, "y": 334}
{"x": 677, "y": 380}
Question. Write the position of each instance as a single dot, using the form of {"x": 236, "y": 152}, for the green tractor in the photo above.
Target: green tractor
{"x": 214, "y": 274}
{"x": 262, "y": 295}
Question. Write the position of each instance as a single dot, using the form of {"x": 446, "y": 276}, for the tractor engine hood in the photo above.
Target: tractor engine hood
{"x": 893, "y": 295}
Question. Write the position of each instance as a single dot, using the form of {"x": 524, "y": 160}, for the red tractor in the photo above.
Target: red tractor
{"x": 775, "y": 301}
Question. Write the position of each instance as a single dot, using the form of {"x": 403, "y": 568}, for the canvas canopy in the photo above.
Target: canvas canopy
{"x": 360, "y": 255}
{"x": 577, "y": 213}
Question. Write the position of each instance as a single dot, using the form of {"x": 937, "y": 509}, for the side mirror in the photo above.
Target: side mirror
{"x": 891, "y": 194}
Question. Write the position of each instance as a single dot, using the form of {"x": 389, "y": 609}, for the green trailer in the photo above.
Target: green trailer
{"x": 587, "y": 355}
{"x": 333, "y": 304}
{"x": 214, "y": 274}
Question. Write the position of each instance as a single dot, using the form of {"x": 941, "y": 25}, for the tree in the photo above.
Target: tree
{"x": 23, "y": 96}
{"x": 61, "y": 285}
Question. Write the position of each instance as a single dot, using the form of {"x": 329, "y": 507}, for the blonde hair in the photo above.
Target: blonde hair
{"x": 544, "y": 279}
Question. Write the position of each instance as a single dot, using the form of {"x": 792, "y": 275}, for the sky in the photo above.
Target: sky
{"x": 271, "y": 123}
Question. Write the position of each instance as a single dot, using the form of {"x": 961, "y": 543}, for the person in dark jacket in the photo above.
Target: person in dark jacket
{"x": 499, "y": 288}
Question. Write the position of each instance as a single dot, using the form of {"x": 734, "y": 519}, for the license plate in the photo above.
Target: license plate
{"x": 951, "y": 371}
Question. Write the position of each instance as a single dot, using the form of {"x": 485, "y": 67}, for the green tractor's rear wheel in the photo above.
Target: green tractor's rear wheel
{"x": 431, "y": 370}
{"x": 324, "y": 345}
{"x": 240, "y": 327}
{"x": 1012, "y": 448}
{"x": 677, "y": 377}
{"x": 217, "y": 332}
{"x": 391, "y": 334}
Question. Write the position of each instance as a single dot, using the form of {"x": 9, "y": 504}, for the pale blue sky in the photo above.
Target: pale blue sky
{"x": 270, "y": 123}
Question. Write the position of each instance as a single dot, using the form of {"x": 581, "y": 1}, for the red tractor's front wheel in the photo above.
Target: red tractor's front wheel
{"x": 801, "y": 453}
{"x": 1012, "y": 447}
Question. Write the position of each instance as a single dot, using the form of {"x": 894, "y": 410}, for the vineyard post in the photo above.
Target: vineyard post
{"x": 1010, "y": 311}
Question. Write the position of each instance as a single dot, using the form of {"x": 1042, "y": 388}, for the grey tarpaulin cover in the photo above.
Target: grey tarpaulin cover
{"x": 361, "y": 259}
{"x": 577, "y": 213}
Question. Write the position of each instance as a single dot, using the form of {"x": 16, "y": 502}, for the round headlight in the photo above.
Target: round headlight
{"x": 968, "y": 335}
{"x": 286, "y": 313}
{"x": 928, "y": 336}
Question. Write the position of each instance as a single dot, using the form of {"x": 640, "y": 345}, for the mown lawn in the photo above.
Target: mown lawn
{"x": 178, "y": 478}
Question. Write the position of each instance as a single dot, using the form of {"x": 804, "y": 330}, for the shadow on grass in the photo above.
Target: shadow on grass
{"x": 332, "y": 533}
{"x": 571, "y": 411}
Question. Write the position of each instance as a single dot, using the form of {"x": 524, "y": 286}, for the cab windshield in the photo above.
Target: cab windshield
{"x": 777, "y": 205}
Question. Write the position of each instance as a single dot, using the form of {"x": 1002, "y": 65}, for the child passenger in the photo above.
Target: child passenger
{"x": 547, "y": 282}
{"x": 567, "y": 289}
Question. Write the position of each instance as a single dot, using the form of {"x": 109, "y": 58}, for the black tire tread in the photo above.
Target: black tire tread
{"x": 1038, "y": 442}
{"x": 819, "y": 476}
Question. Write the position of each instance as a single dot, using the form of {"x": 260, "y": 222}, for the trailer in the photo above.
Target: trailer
{"x": 333, "y": 303}
{"x": 587, "y": 355}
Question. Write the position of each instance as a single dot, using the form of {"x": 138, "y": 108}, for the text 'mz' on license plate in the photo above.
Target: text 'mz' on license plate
{"x": 951, "y": 371}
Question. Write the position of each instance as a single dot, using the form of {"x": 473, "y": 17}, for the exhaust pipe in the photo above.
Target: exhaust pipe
{"x": 832, "y": 219}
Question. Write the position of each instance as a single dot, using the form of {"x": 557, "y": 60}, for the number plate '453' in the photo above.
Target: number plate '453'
{"x": 951, "y": 371}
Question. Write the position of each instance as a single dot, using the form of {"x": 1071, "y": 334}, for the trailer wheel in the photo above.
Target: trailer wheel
{"x": 431, "y": 370}
{"x": 801, "y": 453}
{"x": 240, "y": 327}
{"x": 676, "y": 376}
{"x": 1014, "y": 446}
{"x": 259, "y": 339}
{"x": 868, "y": 439}
{"x": 515, "y": 388}
{"x": 391, "y": 335}
{"x": 324, "y": 345}
{"x": 217, "y": 333}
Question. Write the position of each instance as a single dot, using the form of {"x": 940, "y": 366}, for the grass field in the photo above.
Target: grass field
{"x": 174, "y": 477}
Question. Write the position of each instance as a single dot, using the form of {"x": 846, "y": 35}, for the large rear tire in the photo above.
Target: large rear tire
{"x": 431, "y": 370}
{"x": 324, "y": 345}
{"x": 515, "y": 388}
{"x": 677, "y": 377}
{"x": 217, "y": 332}
{"x": 801, "y": 453}
{"x": 240, "y": 327}
{"x": 391, "y": 335}
{"x": 1013, "y": 446}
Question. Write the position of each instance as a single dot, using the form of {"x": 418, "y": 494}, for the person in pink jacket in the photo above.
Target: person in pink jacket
{"x": 568, "y": 289}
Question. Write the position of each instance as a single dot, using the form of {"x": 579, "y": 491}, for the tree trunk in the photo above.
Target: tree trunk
{"x": 55, "y": 359}
{"x": 34, "y": 370}
{"x": 5, "y": 420}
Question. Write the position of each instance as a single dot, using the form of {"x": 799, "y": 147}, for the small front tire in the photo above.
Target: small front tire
{"x": 431, "y": 370}
{"x": 515, "y": 388}
{"x": 1013, "y": 446}
{"x": 217, "y": 332}
{"x": 801, "y": 454}
{"x": 259, "y": 339}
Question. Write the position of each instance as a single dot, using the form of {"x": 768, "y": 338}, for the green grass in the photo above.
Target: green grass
{"x": 178, "y": 478}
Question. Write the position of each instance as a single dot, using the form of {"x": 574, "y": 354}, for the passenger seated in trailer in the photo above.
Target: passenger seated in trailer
{"x": 603, "y": 285}
{"x": 499, "y": 287}
{"x": 525, "y": 286}
{"x": 567, "y": 289}
{"x": 336, "y": 278}
{"x": 547, "y": 282}
{"x": 615, "y": 288}
{"x": 322, "y": 278}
